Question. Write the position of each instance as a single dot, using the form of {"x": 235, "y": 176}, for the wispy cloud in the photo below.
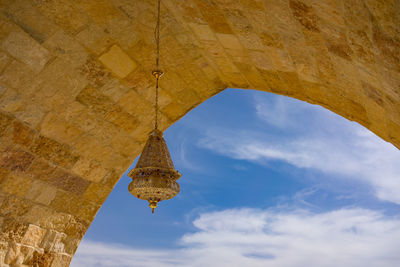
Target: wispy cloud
{"x": 252, "y": 237}
{"x": 183, "y": 158}
{"x": 279, "y": 111}
{"x": 327, "y": 143}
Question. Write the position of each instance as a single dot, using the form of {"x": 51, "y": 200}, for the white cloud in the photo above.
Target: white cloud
{"x": 324, "y": 141}
{"x": 251, "y": 237}
{"x": 183, "y": 159}
{"x": 101, "y": 254}
{"x": 286, "y": 113}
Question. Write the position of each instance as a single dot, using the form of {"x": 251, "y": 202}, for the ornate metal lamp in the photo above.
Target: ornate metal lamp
{"x": 154, "y": 177}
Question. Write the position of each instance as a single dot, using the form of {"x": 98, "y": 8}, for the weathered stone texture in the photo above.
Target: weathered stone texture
{"x": 25, "y": 49}
{"x": 76, "y": 91}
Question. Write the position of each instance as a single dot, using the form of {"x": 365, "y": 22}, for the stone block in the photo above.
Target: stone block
{"x": 253, "y": 76}
{"x": 65, "y": 157}
{"x": 59, "y": 129}
{"x": 70, "y": 245}
{"x": 118, "y": 61}
{"x": 104, "y": 132}
{"x": 89, "y": 169}
{"x": 87, "y": 210}
{"x": 142, "y": 131}
{"x": 89, "y": 146}
{"x": 125, "y": 144}
{"x": 16, "y": 160}
{"x": 95, "y": 72}
{"x": 134, "y": 103}
{"x": 33, "y": 236}
{"x": 203, "y": 31}
{"x": 29, "y": 113}
{"x": 13, "y": 230}
{"x": 41, "y": 192}
{"x": 65, "y": 46}
{"x": 65, "y": 202}
{"x": 76, "y": 228}
{"x": 17, "y": 69}
{"x": 122, "y": 119}
{"x": 273, "y": 81}
{"x": 95, "y": 100}
{"x": 45, "y": 147}
{"x": 80, "y": 116}
{"x": 174, "y": 111}
{"x": 42, "y": 259}
{"x": 305, "y": 15}
{"x": 52, "y": 241}
{"x": 229, "y": 41}
{"x": 41, "y": 169}
{"x": 60, "y": 80}
{"x": 372, "y": 93}
{"x": 283, "y": 62}
{"x": 64, "y": 14}
{"x": 94, "y": 38}
{"x": 22, "y": 134}
{"x": 147, "y": 94}
{"x": 139, "y": 80}
{"x": 13, "y": 207}
{"x": 15, "y": 255}
{"x": 340, "y": 48}
{"x": 47, "y": 218}
{"x": 124, "y": 32}
{"x": 61, "y": 260}
{"x": 24, "y": 48}
{"x": 31, "y": 20}
{"x": 111, "y": 178}
{"x": 16, "y": 184}
{"x": 117, "y": 161}
{"x": 101, "y": 11}
{"x": 346, "y": 75}
{"x": 115, "y": 90}
{"x": 22, "y": 109}
{"x": 69, "y": 182}
{"x": 303, "y": 60}
{"x": 261, "y": 60}
{"x": 213, "y": 15}
{"x": 188, "y": 98}
{"x": 52, "y": 150}
{"x": 355, "y": 111}
{"x": 97, "y": 192}
{"x": 271, "y": 39}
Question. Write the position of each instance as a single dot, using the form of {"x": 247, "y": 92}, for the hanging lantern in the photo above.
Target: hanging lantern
{"x": 154, "y": 177}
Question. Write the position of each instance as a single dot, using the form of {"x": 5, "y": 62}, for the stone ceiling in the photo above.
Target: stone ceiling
{"x": 76, "y": 91}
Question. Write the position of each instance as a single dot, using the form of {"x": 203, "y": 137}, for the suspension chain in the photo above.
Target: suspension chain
{"x": 157, "y": 73}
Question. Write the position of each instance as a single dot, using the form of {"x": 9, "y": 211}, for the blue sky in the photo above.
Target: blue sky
{"x": 266, "y": 181}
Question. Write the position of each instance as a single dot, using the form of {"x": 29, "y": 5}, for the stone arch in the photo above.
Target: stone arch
{"x": 75, "y": 98}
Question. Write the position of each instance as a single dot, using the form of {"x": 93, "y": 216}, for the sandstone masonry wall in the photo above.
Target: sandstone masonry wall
{"x": 76, "y": 92}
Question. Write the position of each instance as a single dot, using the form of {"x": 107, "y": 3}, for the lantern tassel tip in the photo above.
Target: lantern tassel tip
{"x": 153, "y": 205}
